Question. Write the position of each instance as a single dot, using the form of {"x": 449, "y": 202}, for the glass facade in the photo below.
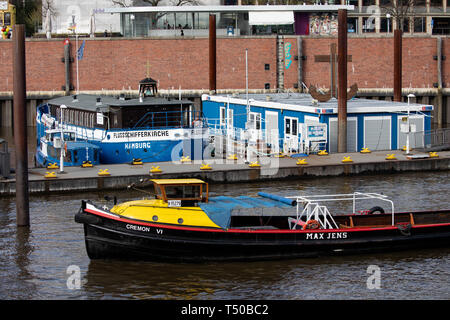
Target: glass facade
{"x": 181, "y": 23}
{"x": 236, "y": 23}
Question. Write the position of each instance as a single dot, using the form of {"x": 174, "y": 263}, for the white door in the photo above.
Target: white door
{"x": 377, "y": 132}
{"x": 272, "y": 133}
{"x": 254, "y": 126}
{"x": 352, "y": 135}
{"x": 290, "y": 134}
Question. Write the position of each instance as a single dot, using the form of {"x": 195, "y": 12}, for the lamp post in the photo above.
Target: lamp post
{"x": 132, "y": 25}
{"x": 407, "y": 122}
{"x": 388, "y": 16}
{"x": 62, "y": 154}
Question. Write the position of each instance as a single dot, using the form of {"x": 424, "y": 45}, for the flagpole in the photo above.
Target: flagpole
{"x": 76, "y": 44}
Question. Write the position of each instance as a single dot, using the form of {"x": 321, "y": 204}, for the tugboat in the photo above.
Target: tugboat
{"x": 109, "y": 130}
{"x": 182, "y": 223}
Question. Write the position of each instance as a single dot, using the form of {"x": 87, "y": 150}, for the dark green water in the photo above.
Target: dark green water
{"x": 34, "y": 262}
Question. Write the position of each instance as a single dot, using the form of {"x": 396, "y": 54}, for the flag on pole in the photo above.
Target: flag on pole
{"x": 81, "y": 50}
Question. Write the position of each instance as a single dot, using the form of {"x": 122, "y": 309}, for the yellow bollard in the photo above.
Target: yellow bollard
{"x": 404, "y": 148}
{"x": 52, "y": 166}
{"x": 347, "y": 159}
{"x": 254, "y": 164}
{"x": 302, "y": 162}
{"x": 50, "y": 175}
{"x": 156, "y": 169}
{"x": 205, "y": 167}
{"x": 136, "y": 162}
{"x": 279, "y": 155}
{"x": 185, "y": 159}
{"x": 365, "y": 150}
{"x": 86, "y": 164}
{"x": 232, "y": 157}
{"x": 104, "y": 172}
{"x": 433, "y": 154}
{"x": 322, "y": 153}
{"x": 391, "y": 157}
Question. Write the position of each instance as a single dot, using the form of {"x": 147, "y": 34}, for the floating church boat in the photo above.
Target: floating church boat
{"x": 108, "y": 130}
{"x": 182, "y": 223}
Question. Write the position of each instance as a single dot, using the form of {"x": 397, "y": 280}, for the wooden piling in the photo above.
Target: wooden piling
{"x": 342, "y": 80}
{"x": 212, "y": 52}
{"x": 20, "y": 126}
{"x": 67, "y": 86}
{"x": 439, "y": 98}
{"x": 397, "y": 65}
{"x": 300, "y": 62}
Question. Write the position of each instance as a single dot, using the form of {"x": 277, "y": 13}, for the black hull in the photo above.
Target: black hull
{"x": 118, "y": 238}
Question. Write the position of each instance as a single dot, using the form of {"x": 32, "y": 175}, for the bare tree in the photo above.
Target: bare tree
{"x": 399, "y": 10}
{"x": 49, "y": 6}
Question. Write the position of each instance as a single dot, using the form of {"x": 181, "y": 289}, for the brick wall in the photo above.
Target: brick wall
{"x": 372, "y": 62}
{"x": 114, "y": 64}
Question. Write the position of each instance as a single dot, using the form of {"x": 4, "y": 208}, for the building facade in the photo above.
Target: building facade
{"x": 426, "y": 17}
{"x": 295, "y": 122}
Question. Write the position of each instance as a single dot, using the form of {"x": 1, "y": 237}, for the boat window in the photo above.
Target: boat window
{"x": 68, "y": 157}
{"x": 183, "y": 192}
{"x": 69, "y": 136}
{"x": 158, "y": 192}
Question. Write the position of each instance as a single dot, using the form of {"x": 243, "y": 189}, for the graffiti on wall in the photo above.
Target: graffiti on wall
{"x": 287, "y": 55}
{"x": 323, "y": 24}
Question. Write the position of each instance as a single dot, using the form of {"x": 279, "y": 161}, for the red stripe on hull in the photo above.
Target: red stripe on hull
{"x": 231, "y": 230}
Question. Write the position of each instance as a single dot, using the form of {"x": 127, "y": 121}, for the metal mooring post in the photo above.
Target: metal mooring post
{"x": 20, "y": 127}
{"x": 212, "y": 53}
{"x": 67, "y": 61}
{"x": 342, "y": 80}
{"x": 397, "y": 65}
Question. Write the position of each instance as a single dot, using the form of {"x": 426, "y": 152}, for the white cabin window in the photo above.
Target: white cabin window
{"x": 255, "y": 120}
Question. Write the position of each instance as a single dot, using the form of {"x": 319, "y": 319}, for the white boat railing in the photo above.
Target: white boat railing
{"x": 312, "y": 208}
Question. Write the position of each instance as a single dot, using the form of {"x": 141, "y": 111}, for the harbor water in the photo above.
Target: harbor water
{"x": 40, "y": 262}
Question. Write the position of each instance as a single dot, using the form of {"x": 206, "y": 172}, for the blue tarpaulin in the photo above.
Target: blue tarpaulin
{"x": 219, "y": 208}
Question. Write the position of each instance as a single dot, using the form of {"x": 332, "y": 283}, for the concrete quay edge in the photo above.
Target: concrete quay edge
{"x": 77, "y": 179}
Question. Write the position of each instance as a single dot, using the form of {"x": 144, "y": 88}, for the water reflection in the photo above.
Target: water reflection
{"x": 321, "y": 278}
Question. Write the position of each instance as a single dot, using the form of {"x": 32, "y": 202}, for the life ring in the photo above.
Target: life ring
{"x": 311, "y": 224}
{"x": 376, "y": 210}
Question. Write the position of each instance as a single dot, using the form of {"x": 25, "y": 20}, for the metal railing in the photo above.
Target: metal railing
{"x": 312, "y": 209}
{"x": 430, "y": 139}
{"x": 235, "y": 140}
{"x": 171, "y": 119}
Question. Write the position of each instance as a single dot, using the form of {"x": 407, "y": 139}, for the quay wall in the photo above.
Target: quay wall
{"x": 241, "y": 174}
{"x": 113, "y": 65}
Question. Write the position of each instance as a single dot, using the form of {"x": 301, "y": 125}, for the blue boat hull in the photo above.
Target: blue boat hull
{"x": 152, "y": 151}
{"x": 115, "y": 146}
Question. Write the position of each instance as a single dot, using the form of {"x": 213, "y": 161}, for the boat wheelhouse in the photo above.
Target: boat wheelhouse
{"x": 150, "y": 128}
